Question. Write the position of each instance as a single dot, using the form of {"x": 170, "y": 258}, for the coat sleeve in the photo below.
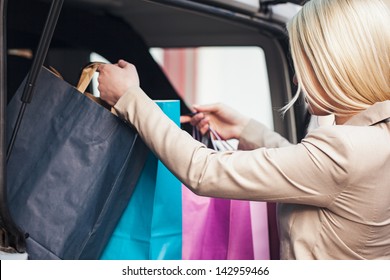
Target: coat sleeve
{"x": 256, "y": 135}
{"x": 308, "y": 173}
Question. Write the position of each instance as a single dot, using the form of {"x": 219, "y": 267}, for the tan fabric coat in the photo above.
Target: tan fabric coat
{"x": 334, "y": 187}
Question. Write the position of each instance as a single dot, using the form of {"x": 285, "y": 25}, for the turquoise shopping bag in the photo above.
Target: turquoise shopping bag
{"x": 151, "y": 226}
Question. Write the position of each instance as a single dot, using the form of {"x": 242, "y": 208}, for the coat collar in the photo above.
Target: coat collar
{"x": 376, "y": 113}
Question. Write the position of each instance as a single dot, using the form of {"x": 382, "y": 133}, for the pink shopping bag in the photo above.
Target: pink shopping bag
{"x": 223, "y": 229}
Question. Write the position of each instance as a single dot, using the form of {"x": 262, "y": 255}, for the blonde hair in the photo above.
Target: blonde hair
{"x": 346, "y": 45}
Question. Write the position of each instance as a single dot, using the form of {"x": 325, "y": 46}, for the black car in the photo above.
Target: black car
{"x": 196, "y": 51}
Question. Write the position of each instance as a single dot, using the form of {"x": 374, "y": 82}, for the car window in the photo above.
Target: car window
{"x": 236, "y": 76}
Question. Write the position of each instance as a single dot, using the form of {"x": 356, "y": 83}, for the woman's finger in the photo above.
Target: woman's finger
{"x": 204, "y": 125}
{"x": 185, "y": 119}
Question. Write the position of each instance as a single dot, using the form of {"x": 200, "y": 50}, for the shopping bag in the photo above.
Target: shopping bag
{"x": 223, "y": 229}
{"x": 151, "y": 226}
{"x": 260, "y": 230}
{"x": 72, "y": 170}
{"x": 216, "y": 228}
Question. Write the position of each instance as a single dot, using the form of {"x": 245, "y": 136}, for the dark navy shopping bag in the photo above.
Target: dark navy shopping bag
{"x": 71, "y": 174}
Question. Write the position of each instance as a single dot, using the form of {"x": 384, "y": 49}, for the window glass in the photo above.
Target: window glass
{"x": 236, "y": 76}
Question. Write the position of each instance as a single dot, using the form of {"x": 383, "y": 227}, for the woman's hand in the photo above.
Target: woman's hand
{"x": 115, "y": 79}
{"x": 227, "y": 122}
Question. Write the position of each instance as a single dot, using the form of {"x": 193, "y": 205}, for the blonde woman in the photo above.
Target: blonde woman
{"x": 333, "y": 188}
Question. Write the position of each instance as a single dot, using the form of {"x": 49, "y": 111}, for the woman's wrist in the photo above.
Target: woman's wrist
{"x": 241, "y": 126}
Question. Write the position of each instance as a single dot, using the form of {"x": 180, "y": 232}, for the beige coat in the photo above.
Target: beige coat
{"x": 334, "y": 187}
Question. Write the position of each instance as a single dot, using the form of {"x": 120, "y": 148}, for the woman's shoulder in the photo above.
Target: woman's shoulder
{"x": 343, "y": 133}
{"x": 327, "y": 133}
{"x": 345, "y": 141}
{"x": 334, "y": 140}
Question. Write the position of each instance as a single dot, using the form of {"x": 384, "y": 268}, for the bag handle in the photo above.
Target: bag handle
{"x": 85, "y": 79}
{"x": 87, "y": 74}
{"x": 212, "y": 140}
{"x": 218, "y": 143}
